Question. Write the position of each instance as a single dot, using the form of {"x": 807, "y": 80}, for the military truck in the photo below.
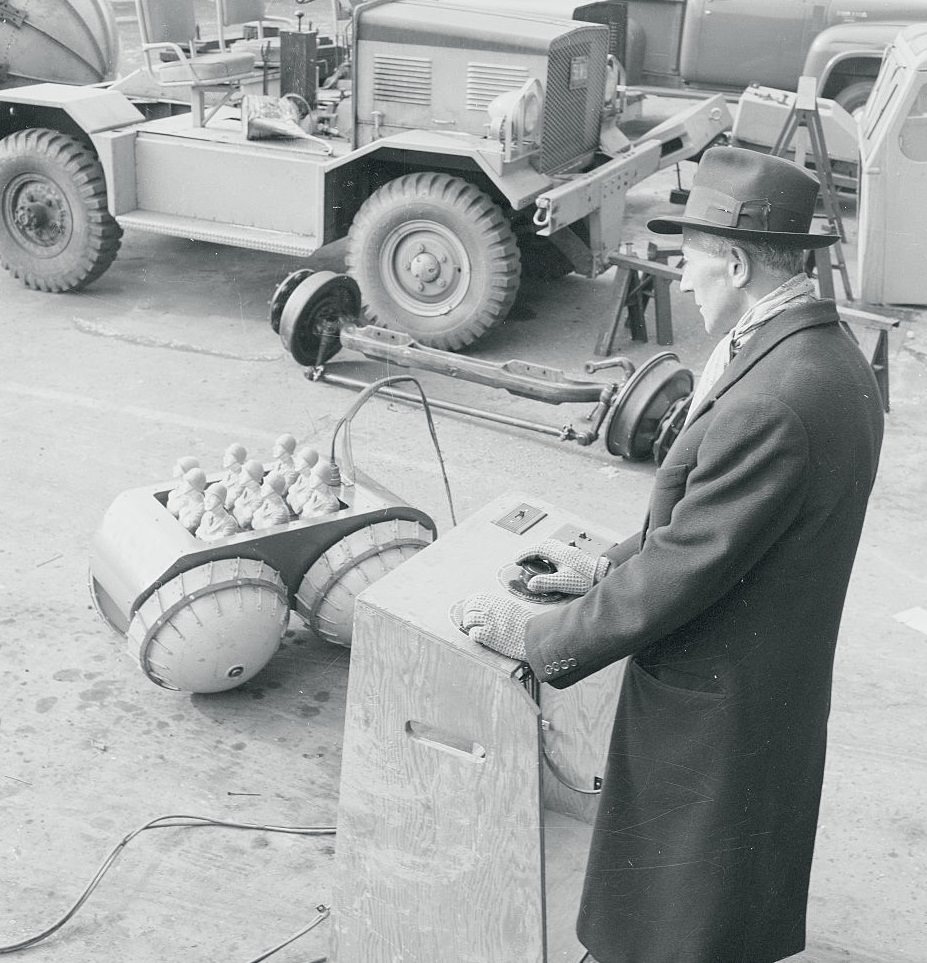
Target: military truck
{"x": 459, "y": 143}
{"x": 730, "y": 44}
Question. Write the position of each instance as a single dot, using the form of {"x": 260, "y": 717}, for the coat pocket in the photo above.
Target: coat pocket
{"x": 669, "y": 485}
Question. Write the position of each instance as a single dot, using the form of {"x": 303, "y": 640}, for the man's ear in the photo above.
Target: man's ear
{"x": 739, "y": 267}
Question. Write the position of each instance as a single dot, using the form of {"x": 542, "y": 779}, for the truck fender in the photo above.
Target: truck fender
{"x": 80, "y": 111}
{"x": 462, "y": 154}
{"x": 848, "y": 52}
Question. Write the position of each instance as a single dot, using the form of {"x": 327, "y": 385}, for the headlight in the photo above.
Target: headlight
{"x": 533, "y": 111}
{"x": 515, "y": 119}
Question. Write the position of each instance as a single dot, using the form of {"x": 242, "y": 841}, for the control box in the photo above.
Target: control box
{"x": 468, "y": 787}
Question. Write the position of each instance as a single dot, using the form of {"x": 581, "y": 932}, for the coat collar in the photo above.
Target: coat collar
{"x": 789, "y": 322}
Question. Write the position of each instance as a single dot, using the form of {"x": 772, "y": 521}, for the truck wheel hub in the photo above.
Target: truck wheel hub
{"x": 40, "y": 212}
{"x": 424, "y": 267}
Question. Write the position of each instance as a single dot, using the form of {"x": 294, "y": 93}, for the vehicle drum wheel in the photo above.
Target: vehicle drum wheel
{"x": 282, "y": 294}
{"x": 212, "y": 627}
{"x": 435, "y": 258}
{"x": 56, "y": 233}
{"x": 326, "y": 596}
{"x": 314, "y": 313}
{"x": 637, "y": 428}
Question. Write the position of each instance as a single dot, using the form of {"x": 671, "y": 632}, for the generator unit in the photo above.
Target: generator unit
{"x": 429, "y": 63}
{"x": 468, "y": 789}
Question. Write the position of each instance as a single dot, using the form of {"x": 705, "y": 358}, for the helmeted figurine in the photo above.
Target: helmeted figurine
{"x": 284, "y": 447}
{"x": 232, "y": 460}
{"x": 323, "y": 498}
{"x": 181, "y": 467}
{"x": 304, "y": 461}
{"x": 216, "y": 522}
{"x": 249, "y": 497}
{"x": 188, "y": 499}
{"x": 273, "y": 509}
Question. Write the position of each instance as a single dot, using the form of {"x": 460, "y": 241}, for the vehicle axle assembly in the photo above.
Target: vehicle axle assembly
{"x": 640, "y": 415}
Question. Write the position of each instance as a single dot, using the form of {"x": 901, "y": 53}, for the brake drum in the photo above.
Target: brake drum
{"x": 212, "y": 627}
{"x": 329, "y": 588}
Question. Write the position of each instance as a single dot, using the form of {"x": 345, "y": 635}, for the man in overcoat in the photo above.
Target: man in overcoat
{"x": 728, "y": 602}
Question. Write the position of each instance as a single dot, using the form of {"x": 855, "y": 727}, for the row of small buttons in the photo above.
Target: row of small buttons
{"x": 558, "y": 666}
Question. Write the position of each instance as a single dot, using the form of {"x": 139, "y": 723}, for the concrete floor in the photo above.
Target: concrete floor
{"x": 170, "y": 353}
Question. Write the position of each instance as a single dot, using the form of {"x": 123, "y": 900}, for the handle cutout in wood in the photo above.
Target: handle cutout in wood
{"x": 446, "y": 741}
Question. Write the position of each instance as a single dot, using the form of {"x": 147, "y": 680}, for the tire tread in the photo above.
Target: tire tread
{"x": 103, "y": 234}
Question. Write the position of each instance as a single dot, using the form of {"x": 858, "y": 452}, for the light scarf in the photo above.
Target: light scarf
{"x": 797, "y": 290}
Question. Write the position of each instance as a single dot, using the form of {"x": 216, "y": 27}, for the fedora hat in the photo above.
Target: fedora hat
{"x": 741, "y": 193}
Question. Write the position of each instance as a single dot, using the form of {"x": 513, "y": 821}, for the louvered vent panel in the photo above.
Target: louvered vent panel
{"x": 572, "y": 116}
{"x": 486, "y": 81}
{"x": 402, "y": 80}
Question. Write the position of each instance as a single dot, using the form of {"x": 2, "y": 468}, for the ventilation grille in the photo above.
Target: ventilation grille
{"x": 486, "y": 81}
{"x": 402, "y": 80}
{"x": 572, "y": 116}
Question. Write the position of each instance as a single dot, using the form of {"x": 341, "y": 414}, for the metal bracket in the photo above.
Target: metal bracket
{"x": 12, "y": 15}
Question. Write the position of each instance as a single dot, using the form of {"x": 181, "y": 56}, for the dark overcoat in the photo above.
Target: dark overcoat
{"x": 729, "y": 604}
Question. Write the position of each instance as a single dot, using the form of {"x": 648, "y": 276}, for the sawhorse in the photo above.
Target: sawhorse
{"x": 638, "y": 281}
{"x": 870, "y": 332}
{"x": 804, "y": 114}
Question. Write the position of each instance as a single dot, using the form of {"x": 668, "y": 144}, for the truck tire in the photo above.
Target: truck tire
{"x": 853, "y": 97}
{"x": 435, "y": 258}
{"x": 56, "y": 233}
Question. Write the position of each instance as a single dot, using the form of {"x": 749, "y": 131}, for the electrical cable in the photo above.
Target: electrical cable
{"x": 171, "y": 822}
{"x": 533, "y": 686}
{"x": 347, "y": 454}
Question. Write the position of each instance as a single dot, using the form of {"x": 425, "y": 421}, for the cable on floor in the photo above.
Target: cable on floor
{"x": 171, "y": 822}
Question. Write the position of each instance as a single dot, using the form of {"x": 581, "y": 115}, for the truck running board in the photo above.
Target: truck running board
{"x": 257, "y": 239}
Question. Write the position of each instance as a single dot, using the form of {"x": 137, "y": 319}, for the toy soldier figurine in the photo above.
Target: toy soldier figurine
{"x": 249, "y": 497}
{"x": 273, "y": 509}
{"x": 300, "y": 489}
{"x": 189, "y": 498}
{"x": 181, "y": 467}
{"x": 216, "y": 522}
{"x": 232, "y": 460}
{"x": 284, "y": 447}
{"x": 323, "y": 497}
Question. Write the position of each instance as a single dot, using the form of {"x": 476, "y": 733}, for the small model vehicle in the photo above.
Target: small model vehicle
{"x": 204, "y": 616}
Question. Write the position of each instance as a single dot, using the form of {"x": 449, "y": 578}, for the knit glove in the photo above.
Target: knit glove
{"x": 498, "y": 623}
{"x": 577, "y": 571}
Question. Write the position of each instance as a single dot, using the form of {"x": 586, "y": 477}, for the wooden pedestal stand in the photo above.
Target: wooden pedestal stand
{"x": 456, "y": 843}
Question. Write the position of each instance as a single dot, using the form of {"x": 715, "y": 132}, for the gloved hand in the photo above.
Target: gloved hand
{"x": 496, "y": 622}
{"x": 577, "y": 571}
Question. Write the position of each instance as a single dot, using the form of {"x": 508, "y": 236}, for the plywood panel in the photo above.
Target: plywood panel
{"x": 438, "y": 853}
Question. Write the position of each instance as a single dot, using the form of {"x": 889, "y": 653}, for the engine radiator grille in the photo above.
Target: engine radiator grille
{"x": 486, "y": 81}
{"x": 402, "y": 80}
{"x": 573, "y": 97}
